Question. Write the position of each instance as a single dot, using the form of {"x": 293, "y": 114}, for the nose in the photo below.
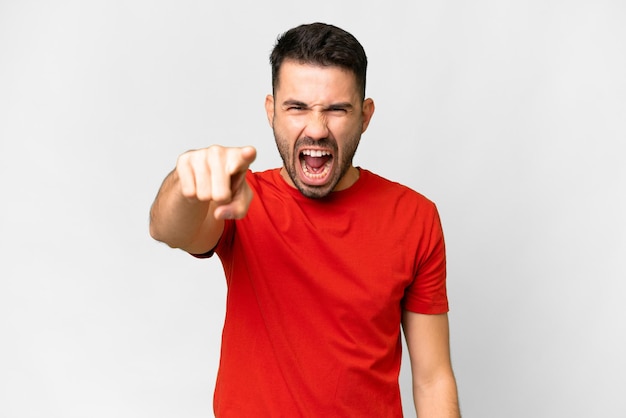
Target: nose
{"x": 317, "y": 126}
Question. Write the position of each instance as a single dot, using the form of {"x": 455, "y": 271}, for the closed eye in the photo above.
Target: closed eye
{"x": 339, "y": 108}
{"x": 294, "y": 106}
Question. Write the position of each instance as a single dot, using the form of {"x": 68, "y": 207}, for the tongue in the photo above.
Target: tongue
{"x": 315, "y": 162}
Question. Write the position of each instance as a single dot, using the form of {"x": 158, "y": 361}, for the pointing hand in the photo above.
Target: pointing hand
{"x": 217, "y": 175}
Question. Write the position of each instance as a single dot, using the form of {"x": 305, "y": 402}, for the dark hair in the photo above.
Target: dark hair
{"x": 320, "y": 44}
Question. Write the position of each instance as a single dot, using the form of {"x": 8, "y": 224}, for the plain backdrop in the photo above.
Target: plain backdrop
{"x": 510, "y": 115}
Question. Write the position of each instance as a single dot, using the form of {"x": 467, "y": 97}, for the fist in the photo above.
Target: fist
{"x": 217, "y": 175}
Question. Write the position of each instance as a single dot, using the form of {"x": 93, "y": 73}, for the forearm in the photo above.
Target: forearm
{"x": 181, "y": 222}
{"x": 438, "y": 398}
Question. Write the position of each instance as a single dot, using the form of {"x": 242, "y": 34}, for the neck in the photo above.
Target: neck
{"x": 348, "y": 179}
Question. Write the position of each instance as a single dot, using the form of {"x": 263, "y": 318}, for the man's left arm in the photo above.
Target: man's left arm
{"x": 434, "y": 385}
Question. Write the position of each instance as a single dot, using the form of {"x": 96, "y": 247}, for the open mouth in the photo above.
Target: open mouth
{"x": 316, "y": 165}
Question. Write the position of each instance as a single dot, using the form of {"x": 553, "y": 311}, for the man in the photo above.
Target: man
{"x": 324, "y": 261}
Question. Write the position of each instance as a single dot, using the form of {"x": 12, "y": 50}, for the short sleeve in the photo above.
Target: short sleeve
{"x": 427, "y": 294}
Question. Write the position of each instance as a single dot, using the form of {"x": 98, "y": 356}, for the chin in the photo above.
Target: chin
{"x": 314, "y": 192}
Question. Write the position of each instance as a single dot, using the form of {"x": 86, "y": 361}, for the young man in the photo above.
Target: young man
{"x": 324, "y": 261}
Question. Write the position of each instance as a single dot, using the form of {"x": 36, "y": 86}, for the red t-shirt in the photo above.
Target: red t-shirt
{"x": 316, "y": 289}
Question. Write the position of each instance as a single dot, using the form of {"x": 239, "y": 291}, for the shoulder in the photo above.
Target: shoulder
{"x": 261, "y": 176}
{"x": 264, "y": 180}
{"x": 383, "y": 187}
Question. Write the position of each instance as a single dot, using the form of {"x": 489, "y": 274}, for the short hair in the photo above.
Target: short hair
{"x": 320, "y": 44}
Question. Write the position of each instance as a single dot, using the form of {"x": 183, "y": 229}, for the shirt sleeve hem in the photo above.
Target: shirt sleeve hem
{"x": 428, "y": 309}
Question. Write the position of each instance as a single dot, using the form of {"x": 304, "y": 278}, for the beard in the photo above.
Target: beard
{"x": 342, "y": 162}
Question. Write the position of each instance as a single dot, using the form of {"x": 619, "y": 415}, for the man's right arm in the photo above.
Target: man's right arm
{"x": 206, "y": 187}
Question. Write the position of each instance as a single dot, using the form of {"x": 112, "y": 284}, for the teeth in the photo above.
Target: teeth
{"x": 315, "y": 153}
{"x": 311, "y": 175}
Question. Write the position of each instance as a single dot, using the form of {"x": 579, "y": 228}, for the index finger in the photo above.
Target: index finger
{"x": 247, "y": 156}
{"x": 228, "y": 169}
{"x": 244, "y": 156}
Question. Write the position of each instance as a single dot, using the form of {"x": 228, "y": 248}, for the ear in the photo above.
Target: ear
{"x": 368, "y": 112}
{"x": 269, "y": 109}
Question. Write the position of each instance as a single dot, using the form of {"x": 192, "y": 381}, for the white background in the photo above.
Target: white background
{"x": 509, "y": 114}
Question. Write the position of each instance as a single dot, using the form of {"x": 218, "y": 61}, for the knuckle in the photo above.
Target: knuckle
{"x": 203, "y": 195}
{"x": 221, "y": 196}
{"x": 187, "y": 190}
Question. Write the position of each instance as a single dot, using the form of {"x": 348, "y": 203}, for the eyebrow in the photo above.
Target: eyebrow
{"x": 334, "y": 106}
{"x": 297, "y": 103}
{"x": 340, "y": 106}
